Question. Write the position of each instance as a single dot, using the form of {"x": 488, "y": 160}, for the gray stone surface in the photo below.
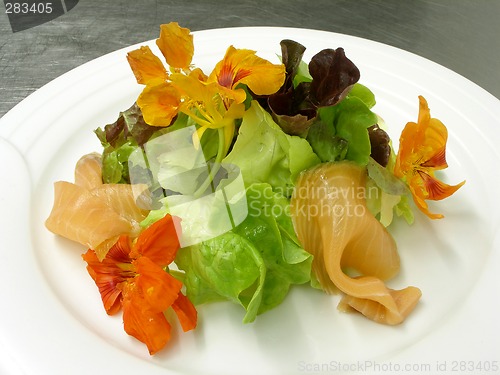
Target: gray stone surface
{"x": 460, "y": 34}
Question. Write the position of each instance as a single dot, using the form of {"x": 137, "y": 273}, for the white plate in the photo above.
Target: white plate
{"x": 51, "y": 317}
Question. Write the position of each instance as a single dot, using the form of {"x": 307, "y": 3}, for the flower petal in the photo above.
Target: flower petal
{"x": 406, "y": 152}
{"x": 198, "y": 74}
{"x": 108, "y": 275}
{"x": 186, "y": 312}
{"x": 158, "y": 289}
{"x": 159, "y": 104}
{"x": 424, "y": 207}
{"x": 437, "y": 190}
{"x": 426, "y": 187}
{"x": 206, "y": 102}
{"x": 159, "y": 242}
{"x": 236, "y": 95}
{"x": 434, "y": 154}
{"x": 244, "y": 66}
{"x": 147, "y": 68}
{"x": 424, "y": 113}
{"x": 191, "y": 87}
{"x": 149, "y": 327}
{"x": 429, "y": 140}
{"x": 176, "y": 45}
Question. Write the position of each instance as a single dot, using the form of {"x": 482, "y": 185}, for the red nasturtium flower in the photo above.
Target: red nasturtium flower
{"x": 132, "y": 276}
{"x": 422, "y": 151}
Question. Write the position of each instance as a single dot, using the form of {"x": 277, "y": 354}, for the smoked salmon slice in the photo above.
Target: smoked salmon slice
{"x": 96, "y": 214}
{"x": 332, "y": 222}
{"x": 88, "y": 171}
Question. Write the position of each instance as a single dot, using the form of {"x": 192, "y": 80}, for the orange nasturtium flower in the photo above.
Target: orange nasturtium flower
{"x": 422, "y": 151}
{"x": 132, "y": 276}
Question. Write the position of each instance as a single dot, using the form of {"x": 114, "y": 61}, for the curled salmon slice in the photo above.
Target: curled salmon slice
{"x": 88, "y": 171}
{"x": 353, "y": 252}
{"x": 95, "y": 214}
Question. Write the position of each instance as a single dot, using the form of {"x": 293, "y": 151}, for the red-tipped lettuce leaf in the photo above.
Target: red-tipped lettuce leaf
{"x": 294, "y": 107}
{"x": 333, "y": 76}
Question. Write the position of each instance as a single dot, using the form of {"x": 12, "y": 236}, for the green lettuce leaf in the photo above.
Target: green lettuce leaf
{"x": 325, "y": 143}
{"x": 119, "y": 140}
{"x": 392, "y": 195}
{"x": 115, "y": 162}
{"x": 253, "y": 265}
{"x": 364, "y": 93}
{"x": 343, "y": 131}
{"x": 264, "y": 153}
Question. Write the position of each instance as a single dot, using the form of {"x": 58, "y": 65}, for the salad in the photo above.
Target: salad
{"x": 239, "y": 184}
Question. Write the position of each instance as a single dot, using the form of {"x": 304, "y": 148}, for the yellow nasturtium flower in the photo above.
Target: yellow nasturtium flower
{"x": 205, "y": 103}
{"x": 159, "y": 104}
{"x": 422, "y": 151}
{"x": 159, "y": 101}
{"x": 214, "y": 101}
{"x": 176, "y": 45}
{"x": 243, "y": 66}
{"x": 147, "y": 67}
